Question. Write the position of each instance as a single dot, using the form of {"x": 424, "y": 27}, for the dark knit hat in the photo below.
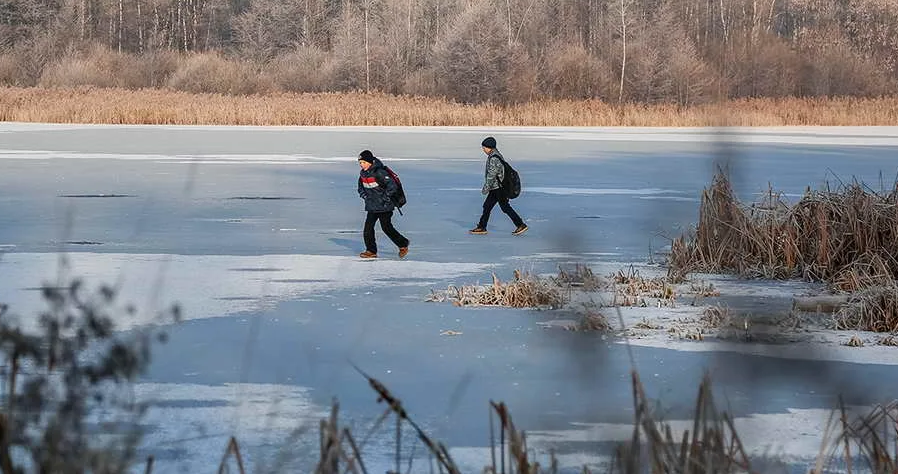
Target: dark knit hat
{"x": 366, "y": 156}
{"x": 489, "y": 142}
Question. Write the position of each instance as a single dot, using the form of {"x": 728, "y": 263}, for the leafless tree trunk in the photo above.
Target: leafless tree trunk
{"x": 172, "y": 28}
{"x": 121, "y": 22}
{"x": 305, "y": 25}
{"x": 367, "y": 51}
{"x": 83, "y": 17}
{"x": 209, "y": 23}
{"x": 195, "y": 24}
{"x": 623, "y": 64}
{"x": 723, "y": 23}
{"x": 182, "y": 25}
{"x": 517, "y": 34}
{"x": 139, "y": 28}
{"x": 508, "y": 19}
{"x": 770, "y": 16}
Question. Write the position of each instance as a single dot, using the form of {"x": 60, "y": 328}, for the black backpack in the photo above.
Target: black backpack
{"x": 398, "y": 198}
{"x": 511, "y": 183}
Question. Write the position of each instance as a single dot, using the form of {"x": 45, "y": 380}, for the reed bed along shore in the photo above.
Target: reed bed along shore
{"x": 169, "y": 107}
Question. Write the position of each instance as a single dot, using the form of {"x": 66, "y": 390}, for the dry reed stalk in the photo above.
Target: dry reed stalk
{"x": 874, "y": 435}
{"x": 712, "y": 446}
{"x": 233, "y": 449}
{"x": 517, "y": 453}
{"x": 436, "y": 449}
{"x": 165, "y": 106}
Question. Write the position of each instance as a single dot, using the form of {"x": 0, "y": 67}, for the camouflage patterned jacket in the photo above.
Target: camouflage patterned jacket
{"x": 494, "y": 174}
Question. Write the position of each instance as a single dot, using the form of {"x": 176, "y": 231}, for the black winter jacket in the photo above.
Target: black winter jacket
{"x": 376, "y": 186}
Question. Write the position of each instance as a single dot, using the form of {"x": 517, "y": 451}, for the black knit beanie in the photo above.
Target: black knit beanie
{"x": 366, "y": 156}
{"x": 489, "y": 142}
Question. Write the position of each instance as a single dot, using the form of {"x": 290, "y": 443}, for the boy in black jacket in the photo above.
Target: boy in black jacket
{"x": 376, "y": 187}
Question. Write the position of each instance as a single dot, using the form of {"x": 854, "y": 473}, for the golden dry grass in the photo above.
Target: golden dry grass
{"x": 164, "y": 106}
{"x": 632, "y": 289}
{"x": 523, "y": 291}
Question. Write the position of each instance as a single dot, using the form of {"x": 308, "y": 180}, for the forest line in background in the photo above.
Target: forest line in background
{"x": 505, "y": 52}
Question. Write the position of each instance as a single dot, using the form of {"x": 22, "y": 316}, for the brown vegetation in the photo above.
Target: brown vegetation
{"x": 870, "y": 309}
{"x": 632, "y": 289}
{"x": 171, "y": 107}
{"x": 844, "y": 236}
{"x": 523, "y": 291}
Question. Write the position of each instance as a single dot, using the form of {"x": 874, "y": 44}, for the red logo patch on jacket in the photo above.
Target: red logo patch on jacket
{"x": 369, "y": 182}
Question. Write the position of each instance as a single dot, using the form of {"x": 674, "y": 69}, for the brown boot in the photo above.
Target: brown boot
{"x": 403, "y": 251}
{"x": 367, "y": 254}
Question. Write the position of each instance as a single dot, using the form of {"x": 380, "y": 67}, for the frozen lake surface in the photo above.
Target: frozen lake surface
{"x": 256, "y": 232}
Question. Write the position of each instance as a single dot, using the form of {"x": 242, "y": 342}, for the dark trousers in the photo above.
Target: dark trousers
{"x": 496, "y": 196}
{"x": 387, "y": 225}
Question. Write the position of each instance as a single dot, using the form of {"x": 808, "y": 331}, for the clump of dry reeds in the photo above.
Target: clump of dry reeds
{"x": 580, "y": 276}
{"x": 525, "y": 290}
{"x": 703, "y": 289}
{"x": 632, "y": 289}
{"x": 715, "y": 316}
{"x": 870, "y": 309}
{"x": 845, "y": 235}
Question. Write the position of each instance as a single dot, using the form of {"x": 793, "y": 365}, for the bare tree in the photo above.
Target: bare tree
{"x": 269, "y": 28}
{"x": 366, "y": 8}
{"x": 625, "y": 6}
